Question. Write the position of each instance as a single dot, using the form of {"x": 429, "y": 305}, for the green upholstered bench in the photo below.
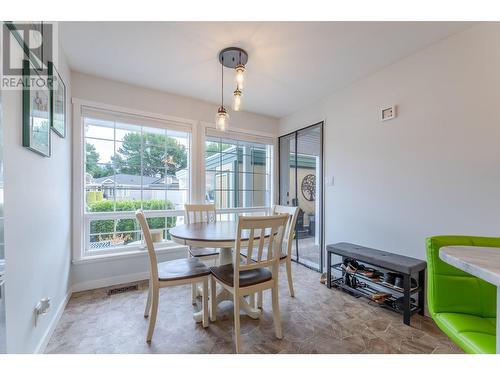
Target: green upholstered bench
{"x": 463, "y": 306}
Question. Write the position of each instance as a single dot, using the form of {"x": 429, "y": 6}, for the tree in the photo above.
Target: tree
{"x": 92, "y": 163}
{"x": 91, "y": 158}
{"x": 213, "y": 147}
{"x": 159, "y": 154}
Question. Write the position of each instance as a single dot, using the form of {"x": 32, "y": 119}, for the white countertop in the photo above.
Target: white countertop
{"x": 482, "y": 262}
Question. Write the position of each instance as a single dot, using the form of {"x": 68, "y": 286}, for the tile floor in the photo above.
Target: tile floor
{"x": 317, "y": 320}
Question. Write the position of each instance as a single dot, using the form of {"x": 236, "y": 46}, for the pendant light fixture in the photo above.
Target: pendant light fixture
{"x": 222, "y": 117}
{"x": 237, "y": 99}
{"x": 233, "y": 58}
{"x": 240, "y": 75}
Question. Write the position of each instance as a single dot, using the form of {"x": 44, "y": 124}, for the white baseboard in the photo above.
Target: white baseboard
{"x": 92, "y": 284}
{"x": 53, "y": 324}
{"x": 109, "y": 281}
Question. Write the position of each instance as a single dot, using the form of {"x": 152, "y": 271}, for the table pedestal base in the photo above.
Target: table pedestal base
{"x": 225, "y": 257}
{"x": 224, "y": 295}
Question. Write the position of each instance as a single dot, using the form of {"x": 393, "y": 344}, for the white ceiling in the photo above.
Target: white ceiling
{"x": 291, "y": 64}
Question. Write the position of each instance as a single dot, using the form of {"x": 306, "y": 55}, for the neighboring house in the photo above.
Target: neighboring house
{"x": 123, "y": 186}
{"x": 237, "y": 177}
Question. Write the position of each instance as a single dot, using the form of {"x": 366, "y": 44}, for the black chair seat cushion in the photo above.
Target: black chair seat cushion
{"x": 180, "y": 269}
{"x": 225, "y": 274}
{"x": 200, "y": 252}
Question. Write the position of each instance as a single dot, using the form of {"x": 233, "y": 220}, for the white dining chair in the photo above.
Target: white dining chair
{"x": 286, "y": 252}
{"x": 170, "y": 273}
{"x": 200, "y": 213}
{"x": 254, "y": 274}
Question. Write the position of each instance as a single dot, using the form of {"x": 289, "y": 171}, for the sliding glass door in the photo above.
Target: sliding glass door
{"x": 300, "y": 179}
{"x": 2, "y": 252}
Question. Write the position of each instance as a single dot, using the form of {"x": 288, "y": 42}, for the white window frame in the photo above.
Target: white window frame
{"x": 198, "y": 130}
{"x": 81, "y": 218}
{"x": 243, "y": 135}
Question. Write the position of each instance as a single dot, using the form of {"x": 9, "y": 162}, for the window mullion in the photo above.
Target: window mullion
{"x": 142, "y": 167}
{"x": 165, "y": 171}
{"x": 114, "y": 179}
{"x": 220, "y": 172}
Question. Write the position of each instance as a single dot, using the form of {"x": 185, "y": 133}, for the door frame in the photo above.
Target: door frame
{"x": 321, "y": 192}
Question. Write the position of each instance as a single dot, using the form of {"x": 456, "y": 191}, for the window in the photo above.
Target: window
{"x": 237, "y": 173}
{"x": 129, "y": 160}
{"x": 130, "y": 163}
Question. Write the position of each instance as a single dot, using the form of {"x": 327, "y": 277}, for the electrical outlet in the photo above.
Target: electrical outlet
{"x": 388, "y": 113}
{"x": 41, "y": 308}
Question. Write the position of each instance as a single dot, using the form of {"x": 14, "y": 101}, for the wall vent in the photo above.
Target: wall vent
{"x": 123, "y": 289}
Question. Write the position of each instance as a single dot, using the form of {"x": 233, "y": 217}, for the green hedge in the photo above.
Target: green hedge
{"x": 127, "y": 225}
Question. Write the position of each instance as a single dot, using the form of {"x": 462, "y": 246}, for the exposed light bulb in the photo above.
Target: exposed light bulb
{"x": 240, "y": 75}
{"x": 221, "y": 119}
{"x": 237, "y": 100}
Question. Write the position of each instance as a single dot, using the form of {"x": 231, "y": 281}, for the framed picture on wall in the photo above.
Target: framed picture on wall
{"x": 57, "y": 101}
{"x": 36, "y": 111}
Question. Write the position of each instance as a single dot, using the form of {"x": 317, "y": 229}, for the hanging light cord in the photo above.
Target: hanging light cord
{"x": 222, "y": 88}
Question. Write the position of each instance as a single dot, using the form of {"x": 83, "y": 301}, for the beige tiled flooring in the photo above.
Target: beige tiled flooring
{"x": 317, "y": 320}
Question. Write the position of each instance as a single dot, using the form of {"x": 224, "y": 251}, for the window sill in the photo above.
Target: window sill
{"x": 174, "y": 250}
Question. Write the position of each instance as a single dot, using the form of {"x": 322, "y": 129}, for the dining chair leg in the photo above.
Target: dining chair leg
{"x": 289, "y": 276}
{"x": 259, "y": 300}
{"x": 155, "y": 296}
{"x": 237, "y": 322}
{"x": 148, "y": 302}
{"x": 213, "y": 302}
{"x": 194, "y": 291}
{"x": 194, "y": 286}
{"x": 252, "y": 300}
{"x": 205, "y": 303}
{"x": 276, "y": 311}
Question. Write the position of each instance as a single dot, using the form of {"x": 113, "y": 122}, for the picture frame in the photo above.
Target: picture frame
{"x": 36, "y": 111}
{"x": 57, "y": 101}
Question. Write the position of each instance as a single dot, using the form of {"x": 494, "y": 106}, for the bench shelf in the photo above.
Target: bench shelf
{"x": 382, "y": 261}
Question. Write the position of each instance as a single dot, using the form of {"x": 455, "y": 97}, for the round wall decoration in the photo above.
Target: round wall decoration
{"x": 308, "y": 187}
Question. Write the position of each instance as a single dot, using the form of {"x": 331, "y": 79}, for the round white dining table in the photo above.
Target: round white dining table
{"x": 221, "y": 235}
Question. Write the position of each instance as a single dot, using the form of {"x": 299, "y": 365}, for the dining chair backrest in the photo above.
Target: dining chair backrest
{"x": 200, "y": 213}
{"x": 264, "y": 230}
{"x": 153, "y": 263}
{"x": 293, "y": 213}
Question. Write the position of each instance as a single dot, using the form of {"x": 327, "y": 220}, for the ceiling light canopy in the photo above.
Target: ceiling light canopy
{"x": 233, "y": 58}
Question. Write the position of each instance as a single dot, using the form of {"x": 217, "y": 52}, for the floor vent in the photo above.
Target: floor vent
{"x": 123, "y": 289}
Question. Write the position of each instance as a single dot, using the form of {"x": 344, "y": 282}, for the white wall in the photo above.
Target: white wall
{"x": 106, "y": 91}
{"x": 37, "y": 226}
{"x": 435, "y": 169}
{"x": 93, "y": 274}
